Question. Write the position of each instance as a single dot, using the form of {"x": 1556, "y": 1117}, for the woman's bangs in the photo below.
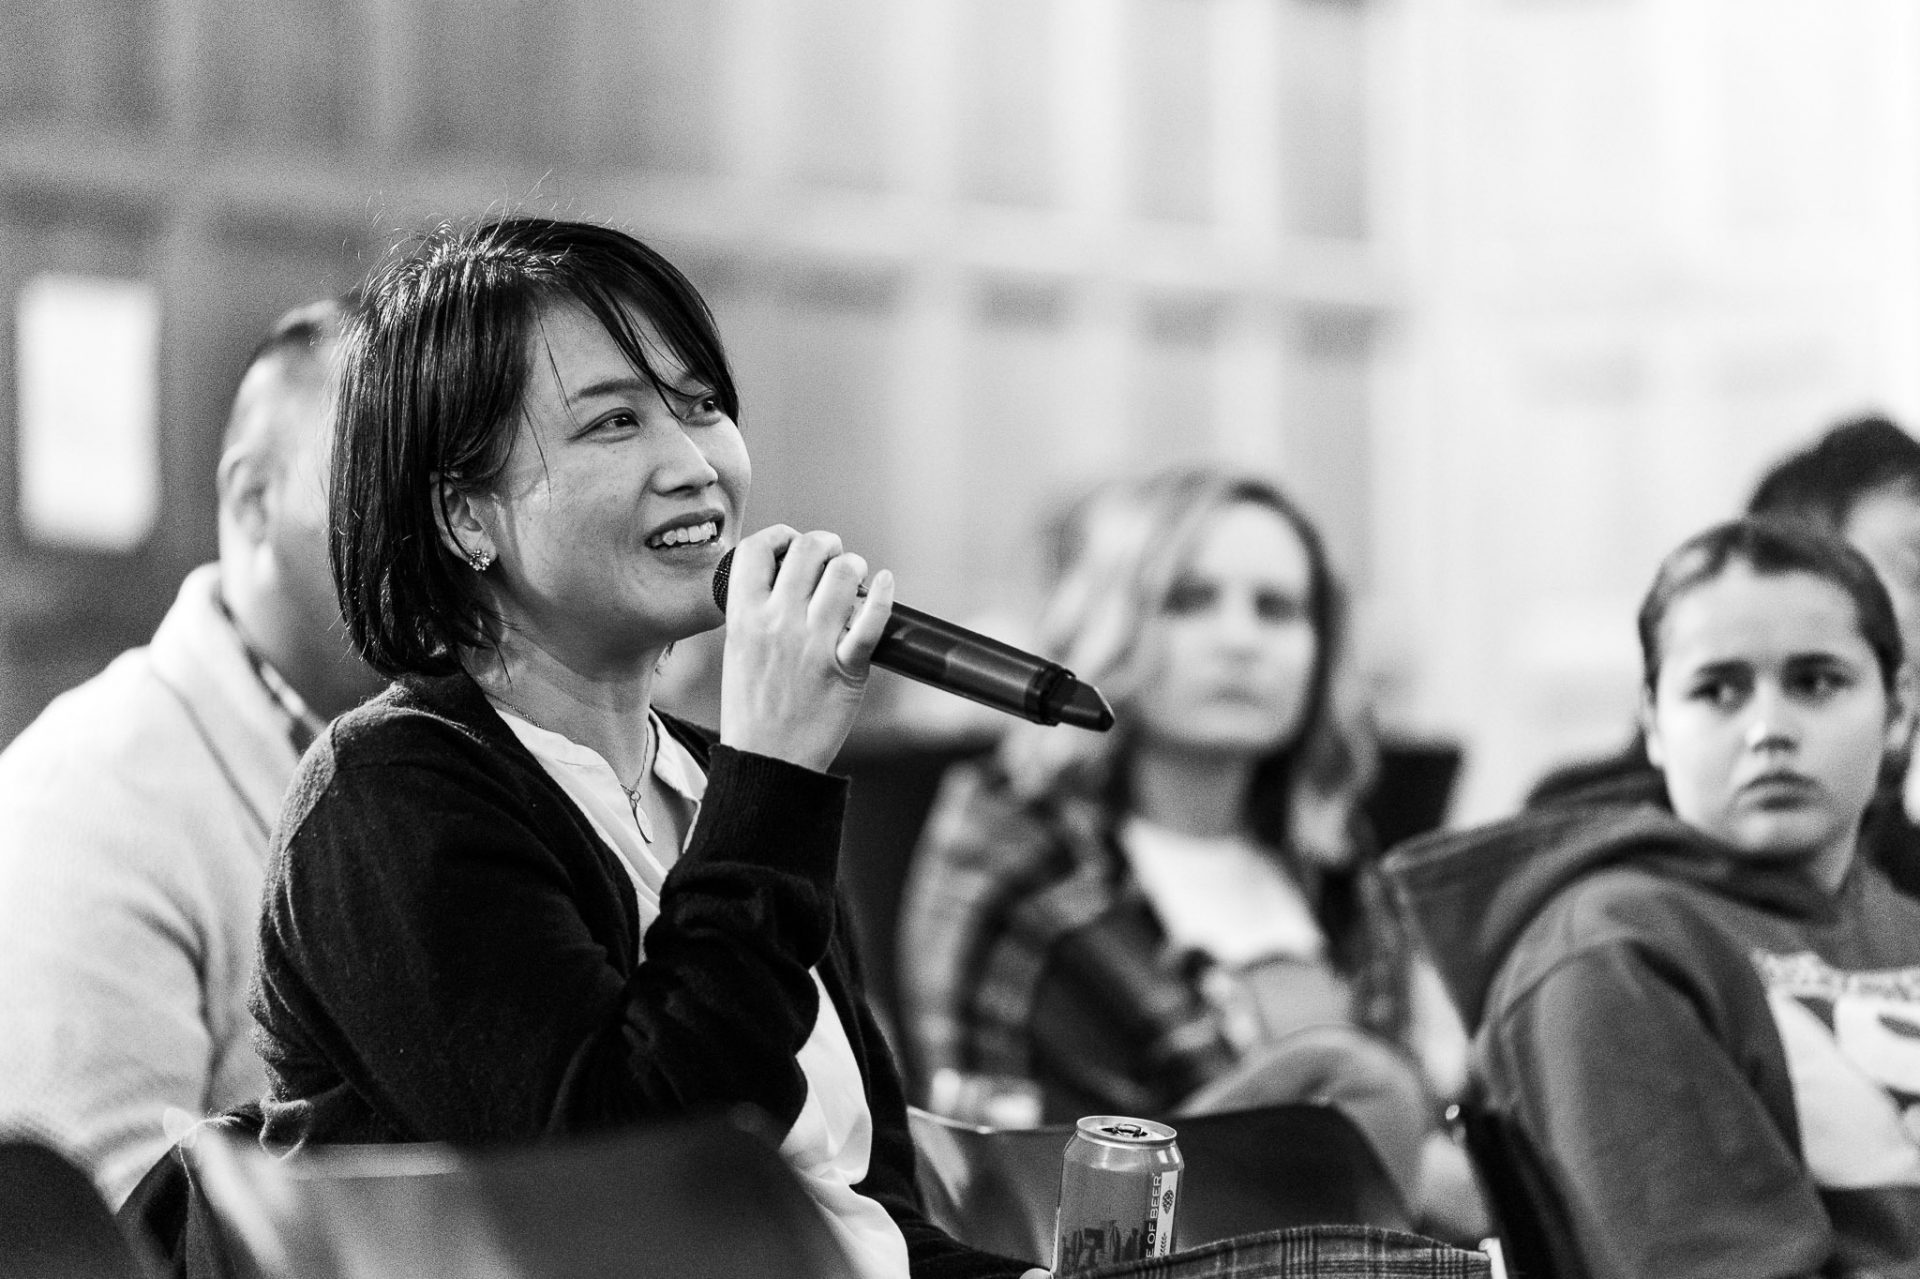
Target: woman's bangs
{"x": 624, "y": 300}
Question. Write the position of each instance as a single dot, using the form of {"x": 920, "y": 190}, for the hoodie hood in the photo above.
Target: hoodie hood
{"x": 1470, "y": 894}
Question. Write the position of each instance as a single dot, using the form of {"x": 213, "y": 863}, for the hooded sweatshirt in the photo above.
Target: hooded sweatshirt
{"x": 1711, "y": 1064}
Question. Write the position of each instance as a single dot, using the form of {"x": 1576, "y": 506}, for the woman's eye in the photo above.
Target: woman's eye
{"x": 697, "y": 407}
{"x": 1819, "y": 683}
{"x": 1721, "y": 693}
{"x": 1274, "y": 606}
{"x": 1188, "y": 597}
{"x": 620, "y": 421}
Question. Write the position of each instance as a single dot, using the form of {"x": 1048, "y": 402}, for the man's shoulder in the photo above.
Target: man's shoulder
{"x": 125, "y": 713}
{"x": 114, "y": 776}
{"x": 176, "y": 703}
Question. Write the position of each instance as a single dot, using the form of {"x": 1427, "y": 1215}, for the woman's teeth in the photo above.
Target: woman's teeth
{"x": 687, "y": 535}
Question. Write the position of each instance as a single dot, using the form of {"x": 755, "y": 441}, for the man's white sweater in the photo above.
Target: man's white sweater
{"x": 134, "y": 819}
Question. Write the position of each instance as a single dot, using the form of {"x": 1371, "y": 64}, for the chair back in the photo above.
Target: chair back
{"x": 54, "y": 1224}
{"x": 1268, "y": 1168}
{"x": 1535, "y": 1240}
{"x": 994, "y": 1188}
{"x": 894, "y": 783}
{"x": 1296, "y": 1164}
{"x": 687, "y": 1199}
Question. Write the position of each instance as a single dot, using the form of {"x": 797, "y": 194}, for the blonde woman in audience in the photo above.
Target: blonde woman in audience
{"x": 1182, "y": 914}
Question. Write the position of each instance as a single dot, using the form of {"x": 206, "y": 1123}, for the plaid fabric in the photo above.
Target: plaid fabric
{"x": 1028, "y": 950}
{"x": 1310, "y": 1252}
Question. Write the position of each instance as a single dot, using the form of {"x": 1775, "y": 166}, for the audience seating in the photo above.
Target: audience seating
{"x": 1247, "y": 1171}
{"x": 692, "y": 1199}
{"x": 54, "y": 1223}
{"x": 894, "y": 785}
{"x": 1528, "y": 1218}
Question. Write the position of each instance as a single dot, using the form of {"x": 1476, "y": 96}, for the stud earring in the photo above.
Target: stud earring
{"x": 480, "y": 561}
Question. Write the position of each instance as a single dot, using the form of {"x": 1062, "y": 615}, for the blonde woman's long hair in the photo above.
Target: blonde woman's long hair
{"x": 1119, "y": 551}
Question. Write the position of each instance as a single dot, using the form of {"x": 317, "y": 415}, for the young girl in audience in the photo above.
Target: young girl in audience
{"x": 510, "y": 899}
{"x": 1698, "y": 1027}
{"x": 1182, "y": 913}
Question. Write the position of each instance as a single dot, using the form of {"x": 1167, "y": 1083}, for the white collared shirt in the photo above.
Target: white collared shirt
{"x": 591, "y": 783}
{"x": 830, "y": 1145}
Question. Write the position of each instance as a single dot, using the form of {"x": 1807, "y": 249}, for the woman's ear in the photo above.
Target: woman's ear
{"x": 1650, "y": 730}
{"x": 461, "y": 528}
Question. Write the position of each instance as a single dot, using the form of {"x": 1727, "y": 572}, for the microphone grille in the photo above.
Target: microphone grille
{"x": 722, "y": 573}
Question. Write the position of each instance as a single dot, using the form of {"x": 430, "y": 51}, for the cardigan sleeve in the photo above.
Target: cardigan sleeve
{"x": 437, "y": 965}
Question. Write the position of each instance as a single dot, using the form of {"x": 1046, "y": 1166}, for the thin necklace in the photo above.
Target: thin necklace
{"x": 636, "y": 793}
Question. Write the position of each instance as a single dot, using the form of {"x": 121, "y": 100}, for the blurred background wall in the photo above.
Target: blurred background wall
{"x": 1512, "y": 293}
{"x": 1645, "y": 247}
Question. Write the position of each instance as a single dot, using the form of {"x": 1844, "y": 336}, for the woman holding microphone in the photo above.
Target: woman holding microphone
{"x": 509, "y": 898}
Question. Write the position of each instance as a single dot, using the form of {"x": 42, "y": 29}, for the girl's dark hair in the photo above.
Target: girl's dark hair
{"x": 1771, "y": 547}
{"x": 435, "y": 362}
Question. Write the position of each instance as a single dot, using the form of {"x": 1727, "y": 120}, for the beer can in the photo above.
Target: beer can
{"x": 1119, "y": 1185}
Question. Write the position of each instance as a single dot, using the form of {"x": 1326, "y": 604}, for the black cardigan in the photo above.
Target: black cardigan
{"x": 449, "y": 951}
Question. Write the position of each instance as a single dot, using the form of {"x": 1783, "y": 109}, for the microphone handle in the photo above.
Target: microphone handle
{"x": 971, "y": 665}
{"x": 968, "y": 664}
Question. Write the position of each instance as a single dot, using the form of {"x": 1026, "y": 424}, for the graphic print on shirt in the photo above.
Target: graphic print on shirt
{"x": 1852, "y": 1042}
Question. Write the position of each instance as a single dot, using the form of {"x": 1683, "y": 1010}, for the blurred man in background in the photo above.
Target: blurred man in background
{"x": 135, "y": 811}
{"x": 1860, "y": 480}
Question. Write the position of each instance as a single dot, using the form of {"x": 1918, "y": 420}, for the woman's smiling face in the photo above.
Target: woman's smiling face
{"x": 1769, "y": 716}
{"x": 618, "y": 497}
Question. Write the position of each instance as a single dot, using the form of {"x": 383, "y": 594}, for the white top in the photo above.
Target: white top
{"x": 1221, "y": 896}
{"x": 831, "y": 1142}
{"x": 591, "y": 783}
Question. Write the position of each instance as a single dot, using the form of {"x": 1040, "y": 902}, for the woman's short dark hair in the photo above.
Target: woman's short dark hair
{"x": 1770, "y": 547}
{"x": 435, "y": 363}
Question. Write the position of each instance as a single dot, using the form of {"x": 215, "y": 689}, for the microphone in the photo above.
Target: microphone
{"x": 966, "y": 663}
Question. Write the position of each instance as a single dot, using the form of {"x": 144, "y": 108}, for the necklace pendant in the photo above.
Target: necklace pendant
{"x": 640, "y": 820}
